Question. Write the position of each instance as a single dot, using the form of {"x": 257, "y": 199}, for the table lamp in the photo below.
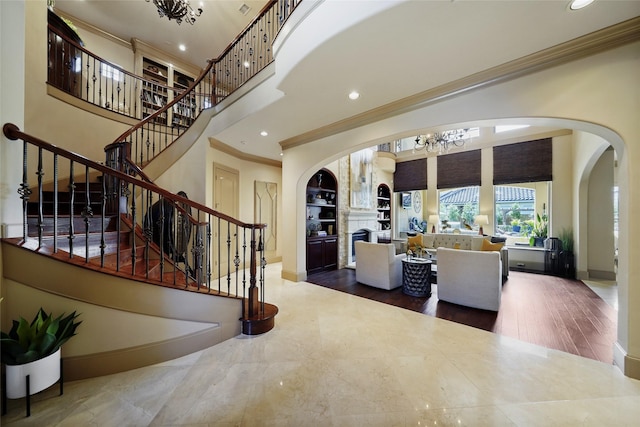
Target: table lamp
{"x": 433, "y": 219}
{"x": 481, "y": 220}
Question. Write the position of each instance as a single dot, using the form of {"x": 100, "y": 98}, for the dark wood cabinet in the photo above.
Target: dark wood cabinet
{"x": 321, "y": 222}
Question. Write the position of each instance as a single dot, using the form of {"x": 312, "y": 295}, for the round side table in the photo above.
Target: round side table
{"x": 416, "y": 277}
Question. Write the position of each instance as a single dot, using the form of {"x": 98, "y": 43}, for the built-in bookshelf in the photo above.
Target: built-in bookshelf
{"x": 154, "y": 93}
{"x": 384, "y": 213}
{"x": 184, "y": 112}
{"x": 165, "y": 78}
{"x": 322, "y": 225}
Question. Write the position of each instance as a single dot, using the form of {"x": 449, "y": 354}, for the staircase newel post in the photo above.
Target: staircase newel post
{"x": 254, "y": 303}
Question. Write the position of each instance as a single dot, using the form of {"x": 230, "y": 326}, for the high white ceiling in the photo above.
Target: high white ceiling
{"x": 221, "y": 21}
{"x": 409, "y": 47}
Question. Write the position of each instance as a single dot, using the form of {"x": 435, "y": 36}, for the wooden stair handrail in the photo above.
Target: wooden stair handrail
{"x": 13, "y": 132}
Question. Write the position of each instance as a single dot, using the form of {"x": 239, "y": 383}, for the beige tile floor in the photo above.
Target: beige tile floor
{"x": 339, "y": 360}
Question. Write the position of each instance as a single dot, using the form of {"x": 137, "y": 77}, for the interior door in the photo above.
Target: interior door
{"x": 226, "y": 201}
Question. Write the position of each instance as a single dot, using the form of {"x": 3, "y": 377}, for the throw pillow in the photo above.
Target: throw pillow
{"x": 488, "y": 246}
{"x": 427, "y": 240}
{"x": 414, "y": 242}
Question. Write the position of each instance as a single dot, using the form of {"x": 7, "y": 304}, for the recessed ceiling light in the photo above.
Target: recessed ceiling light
{"x": 246, "y": 64}
{"x": 264, "y": 133}
{"x": 579, "y": 4}
{"x": 354, "y": 95}
{"x": 182, "y": 47}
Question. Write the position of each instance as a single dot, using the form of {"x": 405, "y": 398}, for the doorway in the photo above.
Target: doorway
{"x": 226, "y": 201}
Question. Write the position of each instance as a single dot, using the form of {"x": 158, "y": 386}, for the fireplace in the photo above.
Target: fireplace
{"x": 358, "y": 235}
{"x": 359, "y": 222}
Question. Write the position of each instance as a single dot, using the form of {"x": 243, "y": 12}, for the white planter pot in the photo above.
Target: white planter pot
{"x": 42, "y": 374}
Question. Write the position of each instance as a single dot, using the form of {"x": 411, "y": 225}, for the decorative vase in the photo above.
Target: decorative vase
{"x": 43, "y": 373}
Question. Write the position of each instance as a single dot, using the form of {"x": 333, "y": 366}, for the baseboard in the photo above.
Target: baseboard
{"x": 111, "y": 362}
{"x": 629, "y": 365}
{"x": 293, "y": 276}
{"x": 602, "y": 275}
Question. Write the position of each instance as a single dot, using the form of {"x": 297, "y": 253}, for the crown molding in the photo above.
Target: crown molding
{"x": 581, "y": 47}
{"x": 220, "y": 146}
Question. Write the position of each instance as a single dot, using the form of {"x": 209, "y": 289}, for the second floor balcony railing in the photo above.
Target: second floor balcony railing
{"x": 84, "y": 75}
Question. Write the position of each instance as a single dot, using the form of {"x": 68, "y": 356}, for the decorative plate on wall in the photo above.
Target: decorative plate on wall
{"x": 417, "y": 201}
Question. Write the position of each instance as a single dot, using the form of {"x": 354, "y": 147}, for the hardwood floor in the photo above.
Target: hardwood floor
{"x": 550, "y": 311}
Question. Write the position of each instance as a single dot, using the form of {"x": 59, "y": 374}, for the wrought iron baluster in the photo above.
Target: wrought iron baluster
{"x": 263, "y": 265}
{"x": 228, "y": 257}
{"x": 148, "y": 229}
{"x": 40, "y": 174}
{"x": 24, "y": 190}
{"x": 208, "y": 252}
{"x": 236, "y": 259}
{"x": 103, "y": 199}
{"x": 55, "y": 203}
{"x": 161, "y": 227}
{"x": 72, "y": 196}
{"x": 218, "y": 246}
{"x": 87, "y": 213}
{"x": 134, "y": 249}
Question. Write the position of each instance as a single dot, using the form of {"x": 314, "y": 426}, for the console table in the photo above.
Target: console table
{"x": 526, "y": 258}
{"x": 416, "y": 277}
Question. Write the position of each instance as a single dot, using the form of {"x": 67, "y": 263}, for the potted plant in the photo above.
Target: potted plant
{"x": 515, "y": 225}
{"x": 567, "y": 257}
{"x": 539, "y": 231}
{"x": 34, "y": 349}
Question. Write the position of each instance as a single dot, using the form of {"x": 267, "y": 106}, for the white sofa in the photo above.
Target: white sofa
{"x": 470, "y": 278}
{"x": 465, "y": 242}
{"x": 378, "y": 265}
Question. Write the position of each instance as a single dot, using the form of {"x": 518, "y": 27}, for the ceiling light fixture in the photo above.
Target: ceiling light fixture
{"x": 180, "y": 10}
{"x": 579, "y": 4}
{"x": 182, "y": 47}
{"x": 354, "y": 95}
{"x": 264, "y": 133}
{"x": 442, "y": 142}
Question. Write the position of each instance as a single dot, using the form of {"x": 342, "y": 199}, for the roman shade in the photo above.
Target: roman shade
{"x": 529, "y": 161}
{"x": 459, "y": 170}
{"x": 411, "y": 175}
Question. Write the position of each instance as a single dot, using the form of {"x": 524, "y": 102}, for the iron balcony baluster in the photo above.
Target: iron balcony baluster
{"x": 40, "y": 174}
{"x": 72, "y": 192}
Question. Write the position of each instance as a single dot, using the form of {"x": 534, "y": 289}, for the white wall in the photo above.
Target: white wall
{"x": 600, "y": 238}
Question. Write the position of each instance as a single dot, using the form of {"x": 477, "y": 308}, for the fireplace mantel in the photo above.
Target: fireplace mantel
{"x": 359, "y": 220}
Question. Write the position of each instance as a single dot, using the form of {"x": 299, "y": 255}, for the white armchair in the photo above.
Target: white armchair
{"x": 470, "y": 278}
{"x": 378, "y": 265}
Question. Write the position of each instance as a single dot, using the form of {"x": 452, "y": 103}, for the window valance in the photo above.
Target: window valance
{"x": 411, "y": 175}
{"x": 530, "y": 161}
{"x": 460, "y": 169}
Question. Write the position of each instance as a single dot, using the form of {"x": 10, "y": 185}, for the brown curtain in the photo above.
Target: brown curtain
{"x": 460, "y": 169}
{"x": 529, "y": 161}
{"x": 411, "y": 175}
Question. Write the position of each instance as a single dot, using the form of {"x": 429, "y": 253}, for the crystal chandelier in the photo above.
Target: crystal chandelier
{"x": 442, "y": 142}
{"x": 180, "y": 10}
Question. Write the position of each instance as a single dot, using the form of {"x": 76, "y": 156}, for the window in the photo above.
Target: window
{"x": 111, "y": 73}
{"x": 458, "y": 208}
{"x": 517, "y": 206}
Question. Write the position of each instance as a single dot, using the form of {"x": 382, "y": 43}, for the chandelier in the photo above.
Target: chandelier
{"x": 177, "y": 9}
{"x": 442, "y": 142}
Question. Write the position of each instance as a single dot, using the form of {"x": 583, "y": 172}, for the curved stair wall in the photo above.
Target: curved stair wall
{"x": 126, "y": 324}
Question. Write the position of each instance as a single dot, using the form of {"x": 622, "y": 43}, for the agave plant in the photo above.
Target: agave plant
{"x": 27, "y": 342}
